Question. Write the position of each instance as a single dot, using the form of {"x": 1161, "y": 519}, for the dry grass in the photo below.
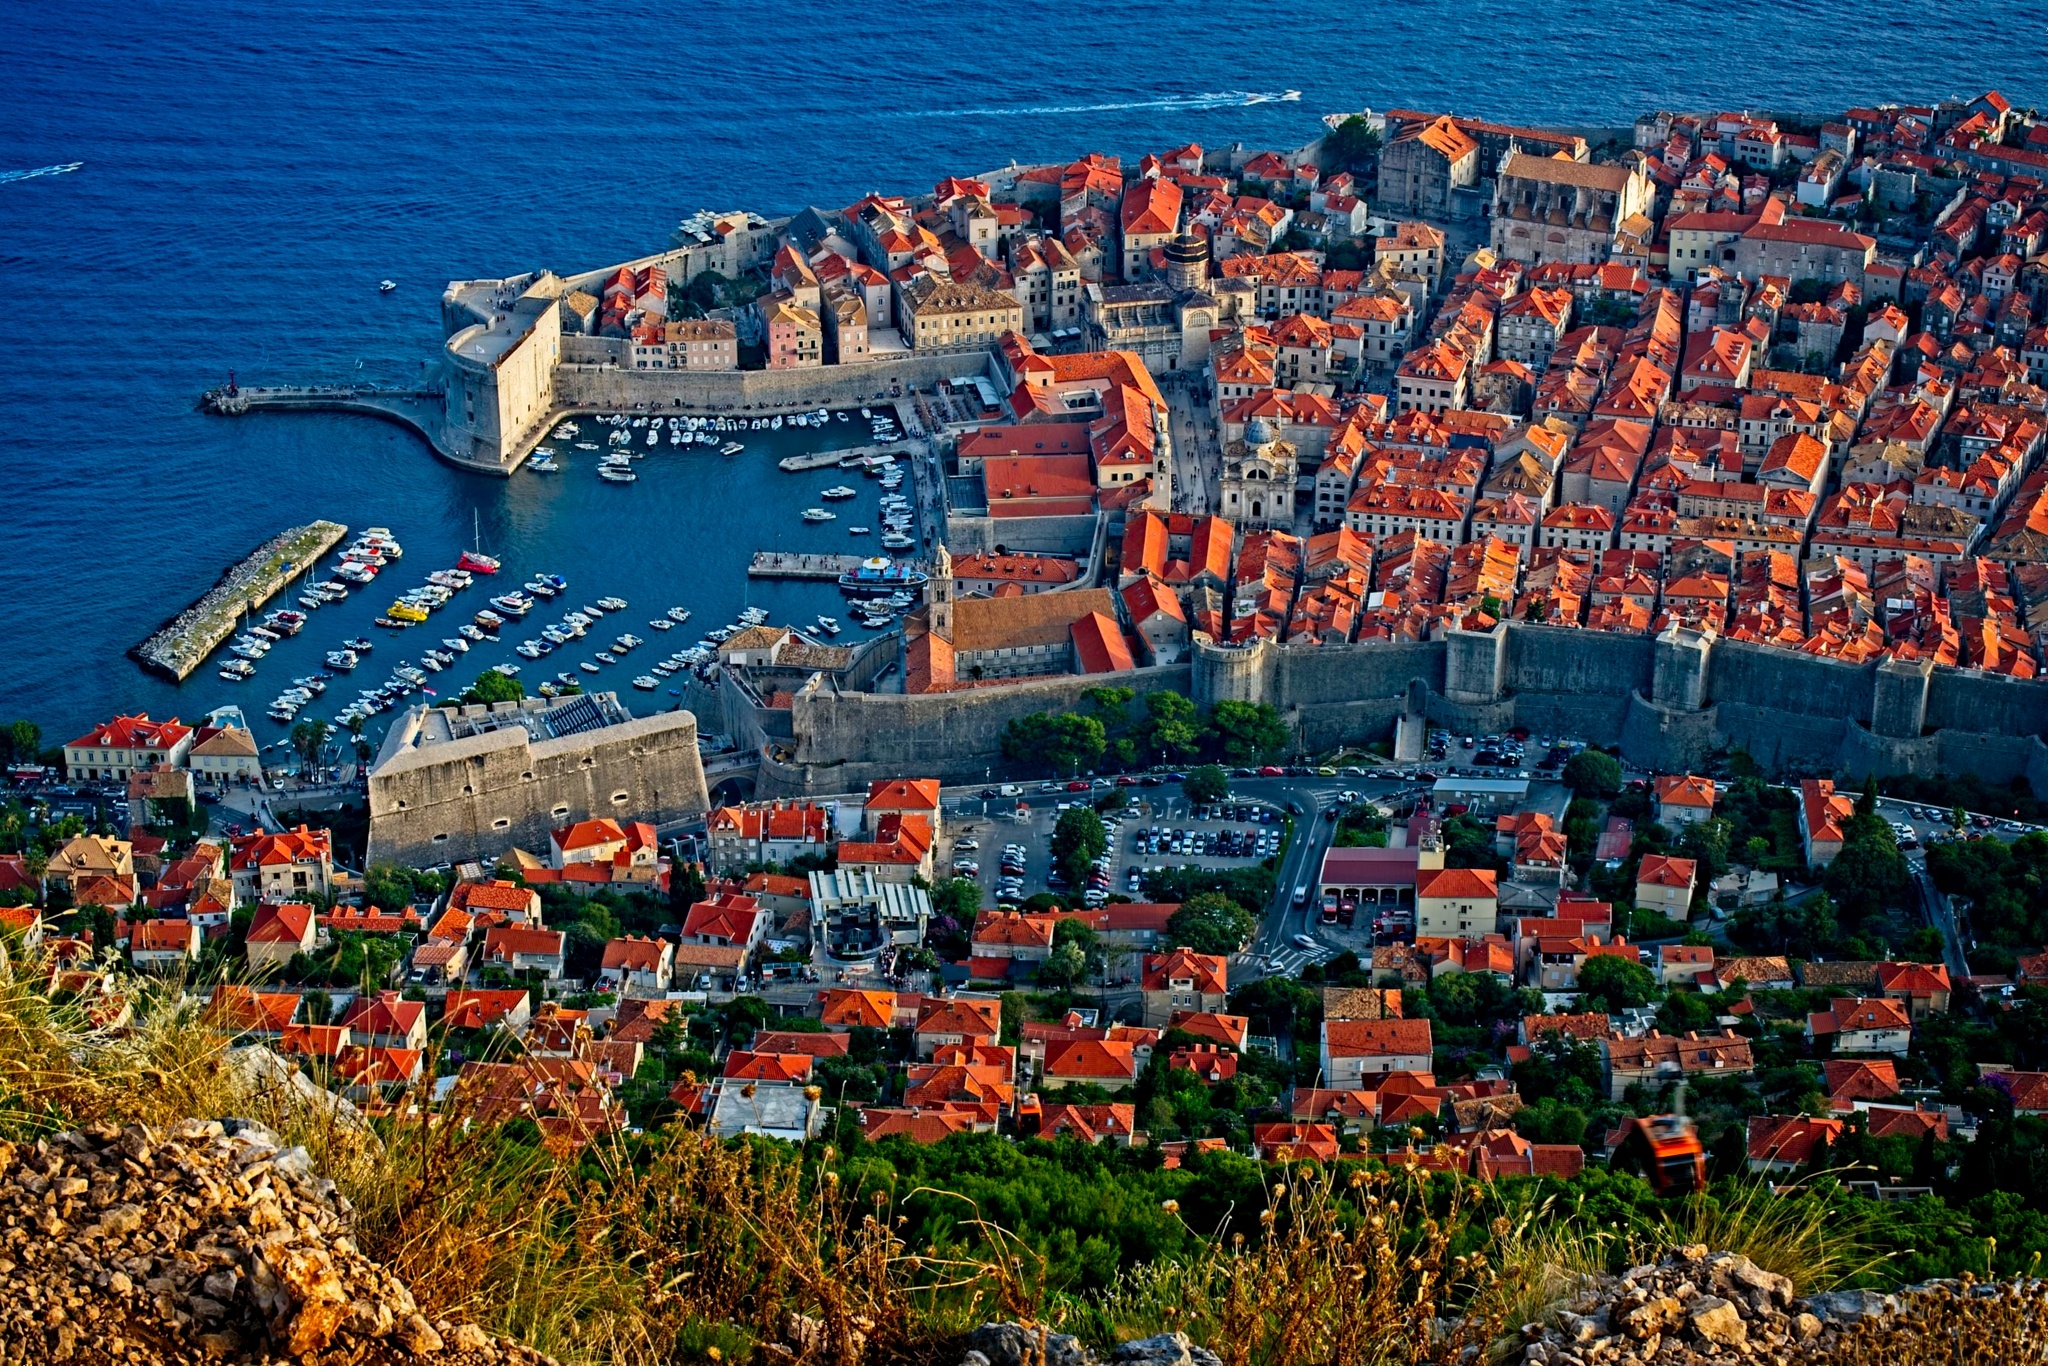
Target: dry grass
{"x": 1817, "y": 1243}
{"x": 1358, "y": 1275}
{"x": 2003, "y": 1324}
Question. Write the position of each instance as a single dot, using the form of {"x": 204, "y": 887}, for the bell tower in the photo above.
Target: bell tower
{"x": 938, "y": 596}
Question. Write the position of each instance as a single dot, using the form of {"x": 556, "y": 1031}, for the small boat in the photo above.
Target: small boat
{"x": 587, "y": 667}
{"x": 456, "y": 643}
{"x": 898, "y": 542}
{"x": 645, "y": 683}
{"x": 839, "y": 491}
{"x": 386, "y": 286}
{"x": 612, "y": 604}
{"x": 540, "y": 588}
{"x": 661, "y": 623}
{"x": 236, "y": 670}
{"x": 509, "y": 670}
{"x": 565, "y": 431}
{"x": 819, "y": 515}
{"x": 362, "y": 645}
{"x": 731, "y": 448}
{"x": 543, "y": 464}
{"x": 488, "y": 620}
{"x": 829, "y": 625}
{"x": 586, "y": 445}
{"x": 607, "y": 657}
{"x": 344, "y": 660}
{"x": 678, "y": 615}
{"x": 858, "y": 530}
{"x": 470, "y": 631}
{"x": 476, "y": 562}
{"x": 617, "y": 476}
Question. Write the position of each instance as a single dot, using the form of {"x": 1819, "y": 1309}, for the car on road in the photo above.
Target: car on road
{"x": 969, "y": 843}
{"x": 1272, "y": 771}
{"x": 967, "y": 867}
{"x": 1305, "y": 941}
{"x": 1126, "y": 780}
{"x": 1078, "y": 785}
{"x": 989, "y": 794}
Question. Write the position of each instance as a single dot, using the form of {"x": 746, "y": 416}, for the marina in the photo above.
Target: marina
{"x": 779, "y": 564}
{"x": 819, "y": 460}
{"x": 184, "y": 643}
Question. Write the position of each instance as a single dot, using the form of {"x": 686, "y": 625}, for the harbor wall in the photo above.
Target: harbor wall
{"x": 183, "y": 643}
{"x": 760, "y": 391}
{"x": 479, "y": 796}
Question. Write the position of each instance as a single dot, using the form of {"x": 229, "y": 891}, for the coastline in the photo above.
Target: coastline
{"x": 185, "y": 641}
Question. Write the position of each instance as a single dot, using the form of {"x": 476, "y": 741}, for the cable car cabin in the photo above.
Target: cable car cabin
{"x": 1666, "y": 1151}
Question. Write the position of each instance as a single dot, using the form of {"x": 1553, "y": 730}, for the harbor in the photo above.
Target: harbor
{"x": 845, "y": 459}
{"x": 786, "y": 564}
{"x": 184, "y": 642}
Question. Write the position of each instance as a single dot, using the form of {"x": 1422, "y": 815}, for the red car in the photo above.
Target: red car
{"x": 1126, "y": 780}
{"x": 1272, "y": 771}
{"x": 1078, "y": 785}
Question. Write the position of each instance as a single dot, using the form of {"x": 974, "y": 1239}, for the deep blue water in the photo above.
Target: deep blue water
{"x": 252, "y": 169}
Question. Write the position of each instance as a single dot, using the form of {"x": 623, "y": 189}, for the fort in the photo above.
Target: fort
{"x": 1667, "y": 702}
{"x": 458, "y": 783}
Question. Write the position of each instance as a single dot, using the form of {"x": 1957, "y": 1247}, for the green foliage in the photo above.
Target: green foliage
{"x": 1112, "y": 707}
{"x": 1353, "y": 145}
{"x": 1250, "y": 888}
{"x": 492, "y": 686}
{"x": 2007, "y": 885}
{"x": 1361, "y": 827}
{"x": 1171, "y": 730}
{"x": 1611, "y": 983}
{"x": 351, "y": 959}
{"x": 1551, "y": 1121}
{"x": 1469, "y": 844}
{"x": 393, "y": 888}
{"x": 1207, "y": 784}
{"x": 1593, "y": 773}
{"x": 1869, "y": 876}
{"x": 1078, "y": 840}
{"x": 1067, "y": 742}
{"x": 21, "y": 742}
{"x": 1210, "y": 923}
{"x": 1246, "y": 732}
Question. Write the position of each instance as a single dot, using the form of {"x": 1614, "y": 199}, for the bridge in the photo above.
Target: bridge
{"x": 738, "y": 771}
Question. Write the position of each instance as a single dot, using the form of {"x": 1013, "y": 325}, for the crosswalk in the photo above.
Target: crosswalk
{"x": 1287, "y": 961}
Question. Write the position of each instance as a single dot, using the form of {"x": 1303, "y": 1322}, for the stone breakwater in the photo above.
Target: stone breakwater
{"x": 183, "y": 643}
{"x": 210, "y": 1242}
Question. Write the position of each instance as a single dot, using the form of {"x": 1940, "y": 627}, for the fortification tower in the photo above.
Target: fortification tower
{"x": 1187, "y": 263}
{"x": 938, "y": 596}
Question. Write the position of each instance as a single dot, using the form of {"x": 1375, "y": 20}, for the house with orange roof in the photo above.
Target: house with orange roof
{"x": 845, "y": 1008}
{"x": 1013, "y": 935}
{"x": 1112, "y": 1123}
{"x": 1924, "y": 987}
{"x": 282, "y": 865}
{"x": 1785, "y": 1143}
{"x": 1344, "y": 1111}
{"x": 1455, "y": 902}
{"x": 963, "y": 1018}
{"x": 1682, "y": 799}
{"x": 916, "y": 1125}
{"x": 238, "y": 1009}
{"x": 1657, "y": 1060}
{"x": 1664, "y": 885}
{"x": 387, "y": 1020}
{"x": 1292, "y": 1141}
{"x": 438, "y": 962}
{"x": 604, "y": 850}
{"x": 726, "y": 919}
{"x": 362, "y": 1066}
{"x": 1109, "y": 1063}
{"x": 1862, "y": 1025}
{"x": 278, "y": 931}
{"x": 112, "y": 751}
{"x": 498, "y": 1009}
{"x": 1859, "y": 1079}
{"x": 507, "y": 901}
{"x": 517, "y": 948}
{"x": 1822, "y": 813}
{"x": 899, "y": 849}
{"x": 163, "y": 945}
{"x": 637, "y": 965}
{"x": 1208, "y": 1062}
{"x": 1682, "y": 964}
{"x": 1183, "y": 980}
{"x": 313, "y": 1041}
{"x": 787, "y": 1068}
{"x": 765, "y": 832}
{"x": 1231, "y": 1031}
{"x": 1352, "y": 1050}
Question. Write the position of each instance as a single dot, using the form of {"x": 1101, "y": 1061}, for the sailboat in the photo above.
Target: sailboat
{"x": 474, "y": 560}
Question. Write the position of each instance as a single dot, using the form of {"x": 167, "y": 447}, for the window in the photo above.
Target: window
{"x": 501, "y": 824}
{"x": 560, "y": 811}
{"x": 440, "y": 839}
{"x": 619, "y": 798}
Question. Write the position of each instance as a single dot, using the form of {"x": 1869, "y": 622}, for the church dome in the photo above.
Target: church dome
{"x": 1259, "y": 432}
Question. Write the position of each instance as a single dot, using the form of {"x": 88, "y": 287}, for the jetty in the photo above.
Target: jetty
{"x": 786, "y": 564}
{"x": 818, "y": 460}
{"x": 183, "y": 643}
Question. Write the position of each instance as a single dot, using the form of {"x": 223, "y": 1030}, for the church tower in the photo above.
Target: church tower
{"x": 1187, "y": 263}
{"x": 938, "y": 596}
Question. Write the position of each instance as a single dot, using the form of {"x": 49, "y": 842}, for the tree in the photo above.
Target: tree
{"x": 1077, "y": 841}
{"x": 1615, "y": 982}
{"x": 1112, "y": 707}
{"x": 492, "y": 686}
{"x": 1869, "y": 875}
{"x": 1353, "y": 145}
{"x": 959, "y": 898}
{"x": 1211, "y": 923}
{"x": 1207, "y": 784}
{"x": 1171, "y": 729}
{"x": 1593, "y": 773}
{"x": 1068, "y": 742}
{"x": 1065, "y": 966}
{"x": 1245, "y": 732}
{"x": 310, "y": 737}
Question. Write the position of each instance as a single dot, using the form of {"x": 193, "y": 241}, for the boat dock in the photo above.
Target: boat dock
{"x": 818, "y": 460}
{"x": 184, "y": 642}
{"x": 784, "y": 564}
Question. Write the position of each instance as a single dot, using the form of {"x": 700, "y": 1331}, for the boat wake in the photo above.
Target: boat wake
{"x": 7, "y": 176}
{"x": 1216, "y": 99}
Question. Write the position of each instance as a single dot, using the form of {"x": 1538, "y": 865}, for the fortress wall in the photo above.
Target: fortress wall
{"x": 1307, "y": 676}
{"x": 952, "y": 735}
{"x": 1594, "y": 716}
{"x": 1331, "y": 725}
{"x": 1784, "y": 680}
{"x": 728, "y": 391}
{"x": 1075, "y": 536}
{"x": 1794, "y": 742}
{"x": 480, "y": 802}
{"x": 1668, "y": 739}
{"x": 1965, "y": 700}
{"x": 1561, "y": 659}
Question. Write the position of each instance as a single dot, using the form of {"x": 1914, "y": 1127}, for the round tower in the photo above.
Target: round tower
{"x": 1187, "y": 263}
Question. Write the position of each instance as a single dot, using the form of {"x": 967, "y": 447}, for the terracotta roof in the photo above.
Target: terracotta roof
{"x": 1377, "y": 1038}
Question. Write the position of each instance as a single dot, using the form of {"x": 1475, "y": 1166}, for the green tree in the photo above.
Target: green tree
{"x": 21, "y": 742}
{"x": 1207, "y": 784}
{"x": 1353, "y": 145}
{"x": 1613, "y": 982}
{"x": 1112, "y": 707}
{"x": 1869, "y": 875}
{"x": 1171, "y": 729}
{"x": 492, "y": 686}
{"x": 1593, "y": 773}
{"x": 1211, "y": 923}
{"x": 1077, "y": 841}
{"x": 309, "y": 738}
{"x": 1246, "y": 732}
{"x": 1065, "y": 966}
{"x": 1067, "y": 742}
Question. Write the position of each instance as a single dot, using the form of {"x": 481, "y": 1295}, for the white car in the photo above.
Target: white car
{"x": 1305, "y": 941}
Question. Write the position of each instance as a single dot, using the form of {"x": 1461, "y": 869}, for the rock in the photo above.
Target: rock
{"x": 1004, "y": 1344}
{"x": 418, "y": 1335}
{"x": 1851, "y": 1306}
{"x": 1168, "y": 1349}
{"x": 1805, "y": 1326}
{"x": 1718, "y": 1320}
{"x": 467, "y": 1337}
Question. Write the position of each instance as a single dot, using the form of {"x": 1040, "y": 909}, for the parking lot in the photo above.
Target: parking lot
{"x": 1008, "y": 850}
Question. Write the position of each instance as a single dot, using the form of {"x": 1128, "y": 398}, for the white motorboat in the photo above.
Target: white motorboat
{"x": 678, "y": 615}
{"x": 543, "y": 464}
{"x": 661, "y": 623}
{"x": 819, "y": 515}
{"x": 612, "y": 604}
{"x": 858, "y": 530}
{"x": 731, "y": 448}
{"x": 456, "y": 643}
{"x": 645, "y": 683}
{"x": 840, "y": 491}
{"x": 617, "y": 476}
{"x": 386, "y": 286}
{"x": 587, "y": 667}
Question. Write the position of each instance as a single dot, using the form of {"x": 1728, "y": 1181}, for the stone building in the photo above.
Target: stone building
{"x": 453, "y": 784}
{"x": 1258, "y": 478}
{"x": 943, "y": 315}
{"x": 1421, "y": 166}
{"x": 504, "y": 341}
{"x": 1549, "y": 209}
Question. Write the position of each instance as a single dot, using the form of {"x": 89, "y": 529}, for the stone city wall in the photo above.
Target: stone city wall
{"x": 500, "y": 791}
{"x": 732, "y": 391}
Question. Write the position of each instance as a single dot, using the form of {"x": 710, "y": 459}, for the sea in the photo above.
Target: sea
{"x": 248, "y": 170}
